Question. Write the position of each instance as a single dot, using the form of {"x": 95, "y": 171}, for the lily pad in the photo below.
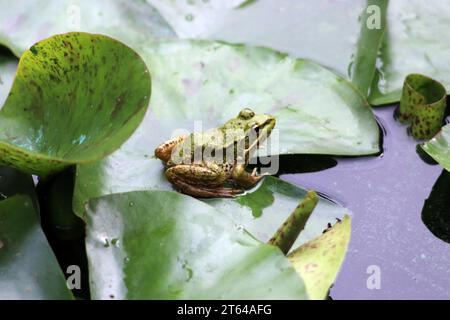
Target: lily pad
{"x": 28, "y": 268}
{"x": 351, "y": 32}
{"x": 319, "y": 260}
{"x": 263, "y": 209}
{"x": 317, "y": 112}
{"x": 439, "y": 147}
{"x": 417, "y": 41}
{"x": 22, "y": 25}
{"x": 294, "y": 26}
{"x": 164, "y": 245}
{"x": 75, "y": 99}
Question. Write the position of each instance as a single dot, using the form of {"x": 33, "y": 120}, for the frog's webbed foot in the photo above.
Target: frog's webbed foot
{"x": 245, "y": 179}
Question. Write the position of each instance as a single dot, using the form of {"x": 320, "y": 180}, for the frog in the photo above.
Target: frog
{"x": 225, "y": 151}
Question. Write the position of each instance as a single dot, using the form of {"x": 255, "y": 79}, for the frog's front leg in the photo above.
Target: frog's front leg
{"x": 200, "y": 180}
{"x": 164, "y": 150}
{"x": 243, "y": 178}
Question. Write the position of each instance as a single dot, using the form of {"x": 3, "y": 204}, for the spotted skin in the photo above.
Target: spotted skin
{"x": 212, "y": 177}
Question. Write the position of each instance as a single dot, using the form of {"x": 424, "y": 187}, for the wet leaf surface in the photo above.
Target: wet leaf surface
{"x": 179, "y": 248}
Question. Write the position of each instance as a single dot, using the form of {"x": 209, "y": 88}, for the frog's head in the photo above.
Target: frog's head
{"x": 248, "y": 122}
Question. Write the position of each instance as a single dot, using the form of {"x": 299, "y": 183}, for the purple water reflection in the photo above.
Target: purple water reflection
{"x": 386, "y": 197}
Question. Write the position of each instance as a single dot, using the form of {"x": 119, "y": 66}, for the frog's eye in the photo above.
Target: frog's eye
{"x": 246, "y": 114}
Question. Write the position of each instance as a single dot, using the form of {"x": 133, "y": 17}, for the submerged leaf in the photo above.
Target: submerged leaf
{"x": 164, "y": 245}
{"x": 76, "y": 98}
{"x": 439, "y": 147}
{"x": 319, "y": 260}
{"x": 28, "y": 268}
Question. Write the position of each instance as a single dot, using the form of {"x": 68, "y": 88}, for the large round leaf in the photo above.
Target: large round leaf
{"x": 164, "y": 245}
{"x": 439, "y": 147}
{"x": 76, "y": 98}
{"x": 25, "y": 22}
{"x": 316, "y": 111}
{"x": 28, "y": 268}
{"x": 295, "y": 26}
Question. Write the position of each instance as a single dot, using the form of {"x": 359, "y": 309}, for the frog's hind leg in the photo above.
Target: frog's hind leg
{"x": 200, "y": 180}
{"x": 200, "y": 191}
{"x": 164, "y": 150}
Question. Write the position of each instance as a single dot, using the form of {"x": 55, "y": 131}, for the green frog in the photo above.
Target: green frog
{"x": 212, "y": 163}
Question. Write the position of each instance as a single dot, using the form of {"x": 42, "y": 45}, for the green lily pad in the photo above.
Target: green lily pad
{"x": 295, "y": 26}
{"x": 351, "y": 32}
{"x": 263, "y": 209}
{"x": 128, "y": 21}
{"x": 75, "y": 99}
{"x": 316, "y": 111}
{"x": 319, "y": 260}
{"x": 164, "y": 245}
{"x": 439, "y": 147}
{"x": 417, "y": 41}
{"x": 28, "y": 268}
